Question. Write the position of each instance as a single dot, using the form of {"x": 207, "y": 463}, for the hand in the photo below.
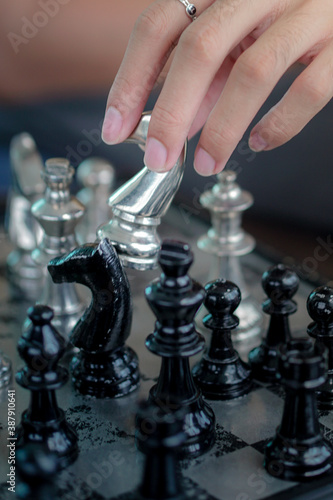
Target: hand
{"x": 225, "y": 65}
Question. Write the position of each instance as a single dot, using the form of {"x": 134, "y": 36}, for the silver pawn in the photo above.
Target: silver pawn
{"x": 25, "y": 277}
{"x": 58, "y": 213}
{"x": 97, "y": 177}
{"x": 138, "y": 207}
{"x": 226, "y": 241}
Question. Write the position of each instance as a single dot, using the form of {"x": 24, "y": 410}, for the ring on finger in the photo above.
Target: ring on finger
{"x": 190, "y": 9}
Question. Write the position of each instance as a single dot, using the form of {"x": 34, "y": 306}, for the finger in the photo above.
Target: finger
{"x": 217, "y": 86}
{"x": 200, "y": 52}
{"x": 309, "y": 93}
{"x": 211, "y": 97}
{"x": 252, "y": 79}
{"x": 152, "y": 40}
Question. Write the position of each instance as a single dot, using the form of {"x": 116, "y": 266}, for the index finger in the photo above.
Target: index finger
{"x": 155, "y": 35}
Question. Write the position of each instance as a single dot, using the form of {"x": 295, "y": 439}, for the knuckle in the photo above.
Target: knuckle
{"x": 219, "y": 139}
{"x": 152, "y": 23}
{"x": 124, "y": 91}
{"x": 277, "y": 130}
{"x": 167, "y": 118}
{"x": 201, "y": 45}
{"x": 316, "y": 91}
{"x": 256, "y": 68}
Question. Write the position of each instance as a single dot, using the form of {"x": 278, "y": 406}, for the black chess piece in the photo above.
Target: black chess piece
{"x": 105, "y": 367}
{"x": 159, "y": 435}
{"x": 36, "y": 467}
{"x": 320, "y": 309}
{"x": 298, "y": 452}
{"x": 41, "y": 347}
{"x": 174, "y": 299}
{"x": 280, "y": 284}
{"x": 221, "y": 374}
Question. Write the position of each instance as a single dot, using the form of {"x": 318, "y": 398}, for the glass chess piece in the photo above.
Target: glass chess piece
{"x": 225, "y": 243}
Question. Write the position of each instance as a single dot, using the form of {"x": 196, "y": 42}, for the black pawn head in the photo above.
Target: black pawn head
{"x": 175, "y": 259}
{"x": 41, "y": 346}
{"x": 302, "y": 364}
{"x": 320, "y": 309}
{"x": 280, "y": 283}
{"x": 222, "y": 299}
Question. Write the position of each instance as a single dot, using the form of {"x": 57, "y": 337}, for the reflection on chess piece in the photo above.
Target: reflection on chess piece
{"x": 225, "y": 243}
{"x": 41, "y": 347}
{"x": 58, "y": 213}
{"x": 320, "y": 308}
{"x": 299, "y": 452}
{"x": 138, "y": 207}
{"x": 159, "y": 435}
{"x": 36, "y": 467}
{"x": 25, "y": 276}
{"x": 97, "y": 177}
{"x": 174, "y": 299}
{"x": 221, "y": 374}
{"x": 280, "y": 284}
{"x": 105, "y": 366}
{"x": 5, "y": 370}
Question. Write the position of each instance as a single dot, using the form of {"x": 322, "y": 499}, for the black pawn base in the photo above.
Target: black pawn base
{"x": 199, "y": 423}
{"x": 301, "y": 462}
{"x": 222, "y": 381}
{"x": 57, "y": 434}
{"x": 263, "y": 363}
{"x": 106, "y": 375}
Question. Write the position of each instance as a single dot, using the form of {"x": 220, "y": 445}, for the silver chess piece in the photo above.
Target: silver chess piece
{"x": 225, "y": 242}
{"x": 58, "y": 213}
{"x": 97, "y": 177}
{"x": 24, "y": 275}
{"x": 138, "y": 207}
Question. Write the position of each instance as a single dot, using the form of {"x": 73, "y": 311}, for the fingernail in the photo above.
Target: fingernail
{"x": 257, "y": 143}
{"x": 155, "y": 155}
{"x": 204, "y": 164}
{"x": 112, "y": 125}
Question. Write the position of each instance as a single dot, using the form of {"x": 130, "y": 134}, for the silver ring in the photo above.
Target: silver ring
{"x": 190, "y": 9}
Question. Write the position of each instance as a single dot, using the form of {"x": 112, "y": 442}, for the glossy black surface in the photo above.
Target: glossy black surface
{"x": 320, "y": 308}
{"x": 41, "y": 347}
{"x": 175, "y": 299}
{"x": 221, "y": 374}
{"x": 105, "y": 366}
{"x": 280, "y": 284}
{"x": 159, "y": 435}
{"x": 299, "y": 452}
{"x": 36, "y": 467}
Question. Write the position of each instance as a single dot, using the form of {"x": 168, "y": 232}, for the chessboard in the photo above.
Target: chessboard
{"x": 109, "y": 465}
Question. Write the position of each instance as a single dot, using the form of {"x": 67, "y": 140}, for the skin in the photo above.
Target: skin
{"x": 77, "y": 52}
{"x": 224, "y": 66}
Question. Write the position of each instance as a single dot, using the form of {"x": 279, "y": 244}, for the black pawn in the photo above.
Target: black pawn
{"x": 320, "y": 309}
{"x": 41, "y": 347}
{"x": 159, "y": 436}
{"x": 280, "y": 284}
{"x": 299, "y": 452}
{"x": 175, "y": 299}
{"x": 105, "y": 367}
{"x": 221, "y": 374}
{"x": 36, "y": 467}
